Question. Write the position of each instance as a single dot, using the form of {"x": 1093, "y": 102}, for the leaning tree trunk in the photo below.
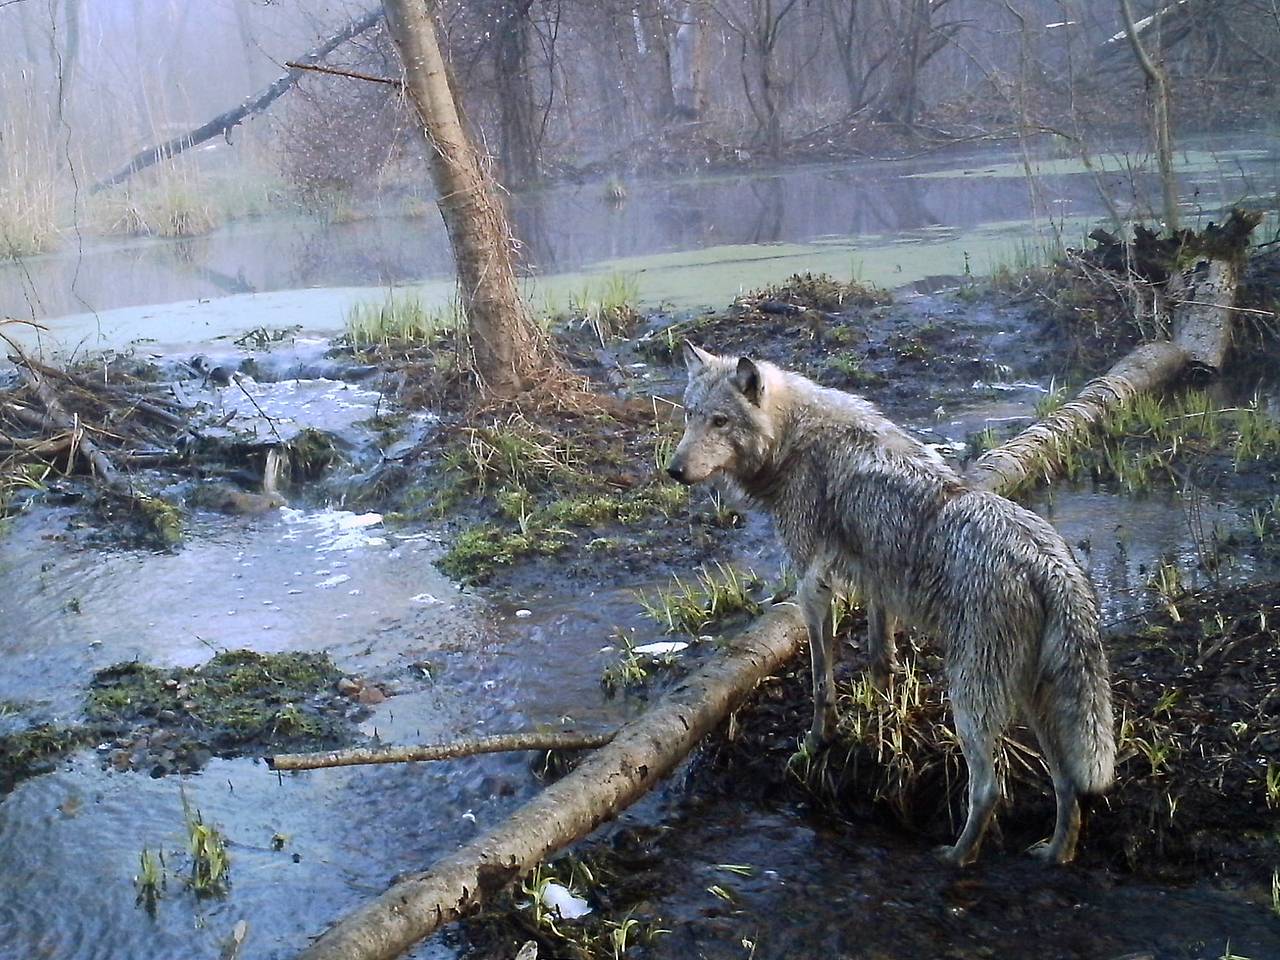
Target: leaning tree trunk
{"x": 509, "y": 351}
{"x": 649, "y": 747}
{"x": 224, "y": 123}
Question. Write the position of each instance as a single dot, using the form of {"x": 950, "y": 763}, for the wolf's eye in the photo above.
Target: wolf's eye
{"x": 719, "y": 421}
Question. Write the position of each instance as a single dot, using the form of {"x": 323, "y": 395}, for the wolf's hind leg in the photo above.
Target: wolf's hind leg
{"x": 978, "y": 743}
{"x": 1061, "y": 847}
{"x": 881, "y": 650}
{"x": 814, "y": 596}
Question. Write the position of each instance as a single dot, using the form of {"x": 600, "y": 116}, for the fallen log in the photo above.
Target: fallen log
{"x": 474, "y": 746}
{"x": 223, "y": 123}
{"x": 643, "y": 752}
{"x": 1200, "y": 274}
{"x": 652, "y": 745}
{"x": 1038, "y": 452}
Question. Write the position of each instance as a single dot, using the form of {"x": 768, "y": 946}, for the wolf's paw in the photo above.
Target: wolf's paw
{"x": 1045, "y": 852}
{"x": 882, "y": 673}
{"x": 953, "y": 856}
{"x": 815, "y": 742}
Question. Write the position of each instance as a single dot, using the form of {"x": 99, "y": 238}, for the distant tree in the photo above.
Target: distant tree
{"x": 758, "y": 26}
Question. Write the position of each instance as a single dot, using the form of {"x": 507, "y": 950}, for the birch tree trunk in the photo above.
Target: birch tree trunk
{"x": 509, "y": 350}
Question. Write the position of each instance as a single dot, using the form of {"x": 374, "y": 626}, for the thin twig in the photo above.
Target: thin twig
{"x": 353, "y": 74}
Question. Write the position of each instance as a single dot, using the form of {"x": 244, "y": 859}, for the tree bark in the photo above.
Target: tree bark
{"x": 643, "y": 752}
{"x": 510, "y": 353}
{"x": 497, "y": 743}
{"x": 518, "y": 128}
{"x": 688, "y": 55}
{"x": 223, "y": 123}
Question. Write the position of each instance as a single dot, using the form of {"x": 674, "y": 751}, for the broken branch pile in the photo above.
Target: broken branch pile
{"x": 55, "y": 421}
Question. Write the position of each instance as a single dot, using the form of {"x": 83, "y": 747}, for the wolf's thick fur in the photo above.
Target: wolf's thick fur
{"x": 859, "y": 501}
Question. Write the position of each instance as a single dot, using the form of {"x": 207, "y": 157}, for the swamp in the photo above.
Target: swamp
{"x": 347, "y": 608}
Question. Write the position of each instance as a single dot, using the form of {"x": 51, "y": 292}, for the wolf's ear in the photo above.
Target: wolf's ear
{"x": 748, "y": 380}
{"x": 695, "y": 358}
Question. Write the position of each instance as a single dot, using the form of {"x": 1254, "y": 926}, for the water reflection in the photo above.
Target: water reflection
{"x": 565, "y": 228}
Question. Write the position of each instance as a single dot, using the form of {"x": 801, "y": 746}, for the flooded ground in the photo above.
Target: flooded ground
{"x": 690, "y": 243}
{"x": 323, "y": 574}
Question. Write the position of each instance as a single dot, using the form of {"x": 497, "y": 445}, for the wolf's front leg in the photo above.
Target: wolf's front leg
{"x": 881, "y": 649}
{"x": 814, "y": 596}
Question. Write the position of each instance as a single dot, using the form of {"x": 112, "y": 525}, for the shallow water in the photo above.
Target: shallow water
{"x": 457, "y": 662}
{"x": 691, "y": 242}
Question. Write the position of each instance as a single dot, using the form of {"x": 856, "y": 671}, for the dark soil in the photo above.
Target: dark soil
{"x": 1192, "y": 813}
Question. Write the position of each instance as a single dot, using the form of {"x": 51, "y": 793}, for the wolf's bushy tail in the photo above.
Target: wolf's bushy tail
{"x": 1074, "y": 690}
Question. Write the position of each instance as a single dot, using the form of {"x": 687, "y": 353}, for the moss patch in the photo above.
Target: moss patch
{"x": 36, "y": 750}
{"x": 238, "y": 703}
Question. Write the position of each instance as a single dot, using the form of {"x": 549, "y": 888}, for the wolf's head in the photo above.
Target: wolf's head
{"x": 728, "y": 417}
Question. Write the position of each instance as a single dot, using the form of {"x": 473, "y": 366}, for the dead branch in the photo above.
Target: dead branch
{"x": 58, "y": 416}
{"x": 497, "y": 743}
{"x": 352, "y": 74}
{"x": 223, "y": 123}
{"x": 1160, "y": 120}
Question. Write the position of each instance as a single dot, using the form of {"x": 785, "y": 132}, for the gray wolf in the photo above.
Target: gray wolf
{"x": 860, "y": 503}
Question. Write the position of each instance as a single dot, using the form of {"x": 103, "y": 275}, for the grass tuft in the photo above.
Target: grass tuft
{"x": 210, "y": 864}
{"x": 711, "y": 598}
{"x": 399, "y": 320}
